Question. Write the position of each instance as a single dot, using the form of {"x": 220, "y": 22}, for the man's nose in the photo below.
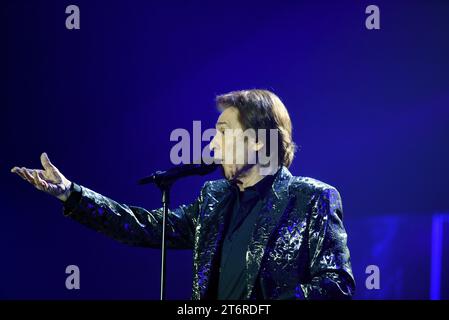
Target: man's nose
{"x": 213, "y": 144}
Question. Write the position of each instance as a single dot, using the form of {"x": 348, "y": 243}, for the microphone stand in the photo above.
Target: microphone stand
{"x": 164, "y": 186}
{"x": 164, "y": 180}
{"x": 165, "y": 204}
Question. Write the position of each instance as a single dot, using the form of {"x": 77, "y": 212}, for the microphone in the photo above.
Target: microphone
{"x": 164, "y": 180}
{"x": 171, "y": 175}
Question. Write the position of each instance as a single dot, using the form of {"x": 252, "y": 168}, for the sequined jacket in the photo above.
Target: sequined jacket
{"x": 298, "y": 249}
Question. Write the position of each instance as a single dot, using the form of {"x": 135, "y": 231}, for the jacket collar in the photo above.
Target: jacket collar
{"x": 267, "y": 221}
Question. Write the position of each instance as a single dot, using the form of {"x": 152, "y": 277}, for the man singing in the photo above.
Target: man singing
{"x": 257, "y": 234}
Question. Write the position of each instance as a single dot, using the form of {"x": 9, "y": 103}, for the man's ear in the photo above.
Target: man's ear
{"x": 258, "y": 146}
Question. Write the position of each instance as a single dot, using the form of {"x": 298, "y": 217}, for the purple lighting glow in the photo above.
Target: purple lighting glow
{"x": 437, "y": 252}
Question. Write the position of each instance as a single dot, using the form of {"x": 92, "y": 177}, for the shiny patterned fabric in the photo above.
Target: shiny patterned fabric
{"x": 298, "y": 249}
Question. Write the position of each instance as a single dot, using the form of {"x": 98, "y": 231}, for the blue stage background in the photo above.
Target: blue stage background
{"x": 370, "y": 110}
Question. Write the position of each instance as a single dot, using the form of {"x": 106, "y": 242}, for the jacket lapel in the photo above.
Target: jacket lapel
{"x": 268, "y": 219}
{"x": 214, "y": 214}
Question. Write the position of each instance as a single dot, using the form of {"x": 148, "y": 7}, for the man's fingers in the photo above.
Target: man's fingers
{"x": 46, "y": 162}
{"x": 24, "y": 173}
{"x": 33, "y": 176}
{"x": 38, "y": 182}
{"x": 28, "y": 173}
{"x": 19, "y": 172}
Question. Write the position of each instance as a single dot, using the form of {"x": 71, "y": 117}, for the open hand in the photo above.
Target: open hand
{"x": 49, "y": 180}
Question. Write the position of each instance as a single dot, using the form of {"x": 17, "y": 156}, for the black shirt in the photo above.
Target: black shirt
{"x": 247, "y": 205}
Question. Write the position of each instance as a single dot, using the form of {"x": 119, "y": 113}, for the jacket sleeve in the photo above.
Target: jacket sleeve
{"x": 330, "y": 266}
{"x": 134, "y": 225}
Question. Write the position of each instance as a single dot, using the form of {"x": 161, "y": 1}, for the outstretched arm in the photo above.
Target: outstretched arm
{"x": 127, "y": 224}
{"x": 130, "y": 224}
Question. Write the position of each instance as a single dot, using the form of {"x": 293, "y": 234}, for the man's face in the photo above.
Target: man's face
{"x": 231, "y": 146}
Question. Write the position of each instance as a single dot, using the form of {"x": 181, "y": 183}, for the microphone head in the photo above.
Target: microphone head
{"x": 185, "y": 170}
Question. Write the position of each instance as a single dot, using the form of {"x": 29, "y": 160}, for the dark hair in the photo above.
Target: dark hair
{"x": 262, "y": 109}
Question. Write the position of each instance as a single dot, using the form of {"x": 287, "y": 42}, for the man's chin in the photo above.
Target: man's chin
{"x": 226, "y": 172}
